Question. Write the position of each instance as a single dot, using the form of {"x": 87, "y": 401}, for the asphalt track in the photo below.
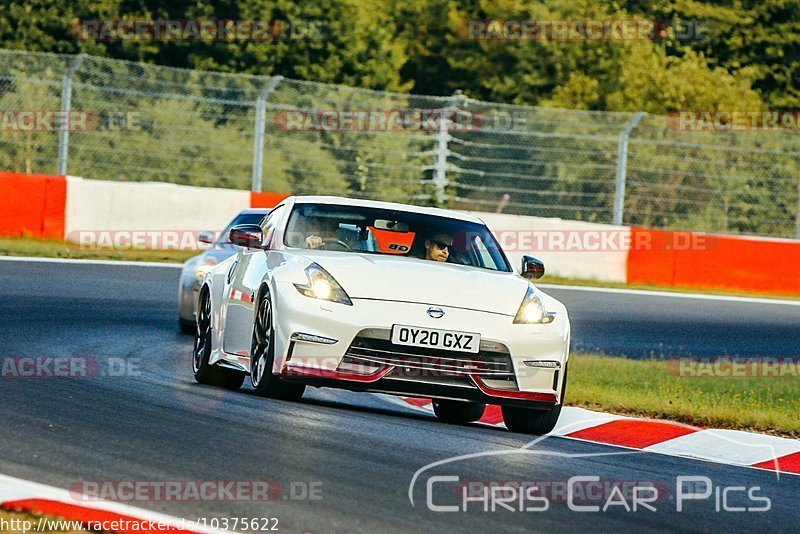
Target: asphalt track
{"x": 360, "y": 449}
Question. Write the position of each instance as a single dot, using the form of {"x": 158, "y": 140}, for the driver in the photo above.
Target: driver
{"x": 321, "y": 229}
{"x": 438, "y": 247}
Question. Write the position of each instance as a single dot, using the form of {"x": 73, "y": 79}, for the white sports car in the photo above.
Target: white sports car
{"x": 382, "y": 297}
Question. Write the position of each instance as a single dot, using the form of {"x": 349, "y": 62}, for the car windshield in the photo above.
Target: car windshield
{"x": 242, "y": 218}
{"x": 393, "y": 232}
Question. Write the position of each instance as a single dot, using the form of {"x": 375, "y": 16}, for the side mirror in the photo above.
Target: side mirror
{"x": 246, "y": 235}
{"x": 532, "y": 269}
{"x": 206, "y": 237}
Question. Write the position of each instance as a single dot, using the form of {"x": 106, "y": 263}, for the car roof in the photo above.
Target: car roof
{"x": 255, "y": 211}
{"x": 342, "y": 201}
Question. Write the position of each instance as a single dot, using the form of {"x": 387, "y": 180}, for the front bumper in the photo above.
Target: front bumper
{"x": 349, "y": 347}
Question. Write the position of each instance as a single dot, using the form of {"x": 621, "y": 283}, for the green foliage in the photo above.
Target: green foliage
{"x": 761, "y": 36}
{"x": 421, "y": 45}
{"x": 356, "y": 47}
{"x": 27, "y": 151}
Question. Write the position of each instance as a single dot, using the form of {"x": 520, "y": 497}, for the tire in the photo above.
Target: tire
{"x": 531, "y": 421}
{"x": 262, "y": 352}
{"x": 187, "y": 327}
{"x": 458, "y": 412}
{"x": 205, "y": 373}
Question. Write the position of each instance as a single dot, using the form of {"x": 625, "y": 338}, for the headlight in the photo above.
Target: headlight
{"x": 202, "y": 270}
{"x": 532, "y": 310}
{"x": 323, "y": 286}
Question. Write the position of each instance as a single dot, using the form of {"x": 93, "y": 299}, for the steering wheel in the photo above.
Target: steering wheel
{"x": 336, "y": 243}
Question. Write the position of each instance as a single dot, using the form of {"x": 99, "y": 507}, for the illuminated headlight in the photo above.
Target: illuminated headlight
{"x": 203, "y": 269}
{"x": 532, "y": 310}
{"x": 321, "y": 289}
{"x": 323, "y": 286}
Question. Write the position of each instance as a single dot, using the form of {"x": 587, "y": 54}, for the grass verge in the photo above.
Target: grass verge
{"x": 59, "y": 249}
{"x": 652, "y": 388}
{"x": 24, "y": 523}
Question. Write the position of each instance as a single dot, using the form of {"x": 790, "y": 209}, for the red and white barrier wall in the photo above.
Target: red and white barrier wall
{"x": 570, "y": 249}
{"x": 103, "y": 205}
{"x": 711, "y": 261}
{"x": 59, "y": 207}
{"x": 33, "y": 204}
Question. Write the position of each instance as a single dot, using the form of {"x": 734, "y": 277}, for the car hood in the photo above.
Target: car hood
{"x": 213, "y": 255}
{"x": 404, "y": 279}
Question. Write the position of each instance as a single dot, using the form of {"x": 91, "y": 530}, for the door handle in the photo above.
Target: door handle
{"x": 232, "y": 270}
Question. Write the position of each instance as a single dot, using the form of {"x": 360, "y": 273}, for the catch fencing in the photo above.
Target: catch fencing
{"x": 119, "y": 120}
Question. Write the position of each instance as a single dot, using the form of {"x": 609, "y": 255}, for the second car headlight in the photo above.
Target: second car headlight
{"x": 532, "y": 310}
{"x": 197, "y": 269}
{"x": 202, "y": 270}
{"x": 323, "y": 286}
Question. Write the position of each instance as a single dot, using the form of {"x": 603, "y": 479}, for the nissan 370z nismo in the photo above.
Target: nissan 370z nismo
{"x": 383, "y": 297}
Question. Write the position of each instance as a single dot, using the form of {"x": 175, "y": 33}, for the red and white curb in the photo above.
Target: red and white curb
{"x": 730, "y": 447}
{"x": 21, "y": 495}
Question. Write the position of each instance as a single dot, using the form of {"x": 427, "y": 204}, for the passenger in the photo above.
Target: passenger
{"x": 438, "y": 247}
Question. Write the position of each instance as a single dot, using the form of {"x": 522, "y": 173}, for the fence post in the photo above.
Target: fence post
{"x": 66, "y": 107}
{"x": 797, "y": 231}
{"x": 440, "y": 167}
{"x": 442, "y": 151}
{"x": 258, "y": 142}
{"x": 622, "y": 167}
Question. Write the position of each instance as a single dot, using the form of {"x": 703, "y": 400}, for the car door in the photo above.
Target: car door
{"x": 244, "y": 279}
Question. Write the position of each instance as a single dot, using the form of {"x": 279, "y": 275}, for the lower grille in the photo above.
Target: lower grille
{"x": 424, "y": 362}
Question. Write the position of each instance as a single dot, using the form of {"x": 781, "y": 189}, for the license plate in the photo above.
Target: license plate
{"x": 435, "y": 339}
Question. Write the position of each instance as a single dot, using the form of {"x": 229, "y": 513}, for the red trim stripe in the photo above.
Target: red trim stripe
{"x": 787, "y": 464}
{"x": 295, "y": 371}
{"x": 72, "y": 512}
{"x": 506, "y": 394}
{"x": 634, "y": 433}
